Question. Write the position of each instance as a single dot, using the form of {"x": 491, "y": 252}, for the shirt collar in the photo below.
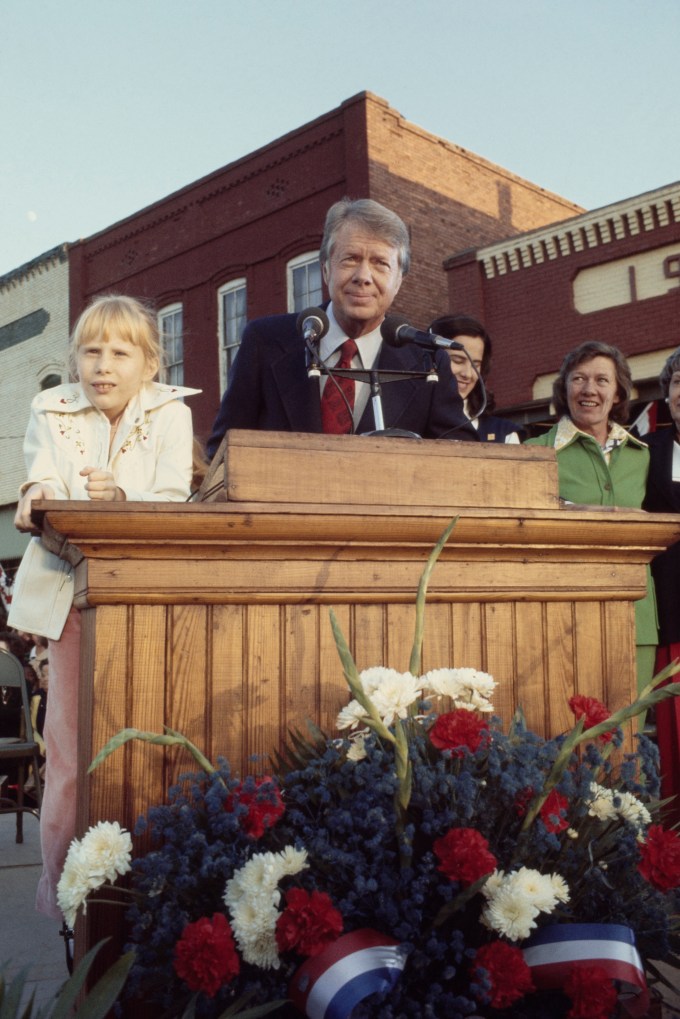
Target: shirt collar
{"x": 367, "y": 345}
{"x": 567, "y": 432}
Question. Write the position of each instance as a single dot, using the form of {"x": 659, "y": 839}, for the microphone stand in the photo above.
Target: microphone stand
{"x": 376, "y": 380}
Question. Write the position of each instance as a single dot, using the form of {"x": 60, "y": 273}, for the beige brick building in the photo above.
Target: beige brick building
{"x": 34, "y": 329}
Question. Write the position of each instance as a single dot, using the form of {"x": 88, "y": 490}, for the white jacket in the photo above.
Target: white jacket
{"x": 151, "y": 460}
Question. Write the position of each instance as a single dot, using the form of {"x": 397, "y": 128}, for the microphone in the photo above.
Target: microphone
{"x": 396, "y": 332}
{"x": 312, "y": 324}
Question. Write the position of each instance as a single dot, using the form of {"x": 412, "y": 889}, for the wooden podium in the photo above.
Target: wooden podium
{"x": 213, "y": 618}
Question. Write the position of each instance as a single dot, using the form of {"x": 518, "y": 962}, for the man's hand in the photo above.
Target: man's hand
{"x": 101, "y": 485}
{"x": 22, "y": 517}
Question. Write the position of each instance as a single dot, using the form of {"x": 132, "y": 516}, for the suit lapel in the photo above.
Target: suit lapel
{"x": 396, "y": 396}
{"x": 666, "y": 479}
{"x": 299, "y": 394}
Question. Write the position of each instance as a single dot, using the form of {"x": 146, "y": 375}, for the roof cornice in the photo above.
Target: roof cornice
{"x": 628, "y": 218}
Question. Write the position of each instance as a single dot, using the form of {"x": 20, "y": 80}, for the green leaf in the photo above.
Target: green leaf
{"x": 190, "y": 1011}
{"x": 415, "y": 665}
{"x": 250, "y": 1013}
{"x": 297, "y": 752}
{"x": 11, "y": 994}
{"x": 106, "y": 991}
{"x": 66, "y": 1000}
{"x": 356, "y": 688}
{"x": 168, "y": 739}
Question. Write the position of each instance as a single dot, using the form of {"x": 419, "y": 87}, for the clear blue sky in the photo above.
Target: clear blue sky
{"x": 109, "y": 105}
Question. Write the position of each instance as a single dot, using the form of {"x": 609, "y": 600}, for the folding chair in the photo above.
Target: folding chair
{"x": 22, "y": 748}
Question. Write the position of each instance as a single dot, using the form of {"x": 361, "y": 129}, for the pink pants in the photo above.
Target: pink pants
{"x": 58, "y": 813}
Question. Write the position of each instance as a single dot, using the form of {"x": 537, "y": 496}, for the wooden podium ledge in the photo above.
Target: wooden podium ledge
{"x": 333, "y": 518}
{"x": 160, "y": 553}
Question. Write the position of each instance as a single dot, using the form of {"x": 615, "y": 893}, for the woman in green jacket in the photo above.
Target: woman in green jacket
{"x": 599, "y": 463}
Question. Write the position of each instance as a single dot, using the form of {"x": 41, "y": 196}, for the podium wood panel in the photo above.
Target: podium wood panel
{"x": 213, "y": 619}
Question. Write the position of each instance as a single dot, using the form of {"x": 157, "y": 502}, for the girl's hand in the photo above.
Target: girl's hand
{"x": 101, "y": 485}
{"x": 22, "y": 517}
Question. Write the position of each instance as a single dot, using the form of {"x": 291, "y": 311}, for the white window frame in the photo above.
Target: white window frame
{"x": 227, "y": 344}
{"x": 172, "y": 372}
{"x": 299, "y": 262}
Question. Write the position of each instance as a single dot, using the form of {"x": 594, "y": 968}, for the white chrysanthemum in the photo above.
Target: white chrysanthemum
{"x": 536, "y": 888}
{"x": 493, "y": 883}
{"x": 107, "y": 850}
{"x": 253, "y": 921}
{"x": 515, "y": 900}
{"x": 350, "y": 716}
{"x": 509, "y": 913}
{"x": 632, "y": 810}
{"x": 395, "y": 694}
{"x": 374, "y": 677}
{"x": 467, "y": 688}
{"x": 601, "y": 805}
{"x": 357, "y": 750}
{"x": 74, "y": 884}
{"x": 101, "y": 855}
{"x": 252, "y": 896}
{"x": 560, "y": 888}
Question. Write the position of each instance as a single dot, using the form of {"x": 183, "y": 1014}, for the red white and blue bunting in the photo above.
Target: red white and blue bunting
{"x": 553, "y": 951}
{"x": 330, "y": 984}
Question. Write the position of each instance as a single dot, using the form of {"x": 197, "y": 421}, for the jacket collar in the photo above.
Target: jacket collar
{"x": 70, "y": 398}
{"x": 567, "y": 432}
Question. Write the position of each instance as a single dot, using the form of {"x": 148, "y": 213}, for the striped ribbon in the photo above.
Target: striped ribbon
{"x": 553, "y": 951}
{"x": 330, "y": 984}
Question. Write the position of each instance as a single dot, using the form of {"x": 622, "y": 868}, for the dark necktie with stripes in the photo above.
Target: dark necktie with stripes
{"x": 336, "y": 418}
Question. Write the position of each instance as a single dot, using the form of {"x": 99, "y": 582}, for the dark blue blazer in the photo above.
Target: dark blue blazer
{"x": 493, "y": 429}
{"x": 663, "y": 496}
{"x": 269, "y": 389}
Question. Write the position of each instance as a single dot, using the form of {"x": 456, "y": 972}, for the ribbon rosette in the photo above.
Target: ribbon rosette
{"x": 330, "y": 984}
{"x": 552, "y": 951}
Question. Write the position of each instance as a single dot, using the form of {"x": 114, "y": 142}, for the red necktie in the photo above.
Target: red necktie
{"x": 336, "y": 419}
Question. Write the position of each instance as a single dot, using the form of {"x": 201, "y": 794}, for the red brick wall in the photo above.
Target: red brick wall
{"x": 532, "y": 320}
{"x": 252, "y": 216}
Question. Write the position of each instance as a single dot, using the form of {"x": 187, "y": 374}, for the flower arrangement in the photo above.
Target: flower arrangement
{"x": 426, "y": 837}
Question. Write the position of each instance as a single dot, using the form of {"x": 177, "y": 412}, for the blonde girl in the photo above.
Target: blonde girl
{"x": 114, "y": 435}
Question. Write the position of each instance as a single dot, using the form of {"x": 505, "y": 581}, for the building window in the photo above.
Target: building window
{"x": 231, "y": 321}
{"x": 50, "y": 381}
{"x": 170, "y": 326}
{"x": 304, "y": 282}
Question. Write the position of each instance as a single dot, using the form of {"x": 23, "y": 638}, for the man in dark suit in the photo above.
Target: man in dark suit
{"x": 364, "y": 256}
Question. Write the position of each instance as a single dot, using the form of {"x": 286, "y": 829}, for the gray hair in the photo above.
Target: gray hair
{"x": 671, "y": 366}
{"x": 375, "y": 220}
{"x": 587, "y": 352}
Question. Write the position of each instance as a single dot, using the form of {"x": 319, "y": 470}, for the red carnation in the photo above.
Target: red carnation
{"x": 205, "y": 955}
{"x": 660, "y": 858}
{"x": 504, "y": 967}
{"x": 592, "y": 993}
{"x": 309, "y": 922}
{"x": 464, "y": 855}
{"x": 553, "y": 811}
{"x": 593, "y": 711}
{"x": 522, "y": 801}
{"x": 459, "y": 730}
{"x": 264, "y": 805}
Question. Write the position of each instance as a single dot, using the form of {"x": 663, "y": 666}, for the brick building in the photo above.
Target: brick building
{"x": 244, "y": 240}
{"x": 611, "y": 275}
{"x": 34, "y": 331}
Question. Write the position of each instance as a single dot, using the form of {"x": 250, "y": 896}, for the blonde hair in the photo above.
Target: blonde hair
{"x": 122, "y": 316}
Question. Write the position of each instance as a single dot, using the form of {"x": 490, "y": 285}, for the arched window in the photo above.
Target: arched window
{"x": 170, "y": 327}
{"x": 50, "y": 381}
{"x": 231, "y": 318}
{"x": 304, "y": 281}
